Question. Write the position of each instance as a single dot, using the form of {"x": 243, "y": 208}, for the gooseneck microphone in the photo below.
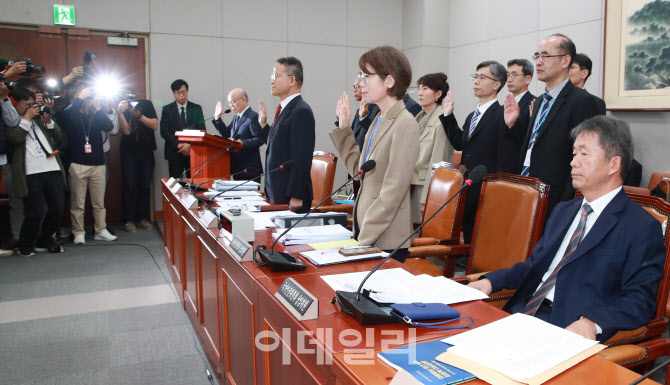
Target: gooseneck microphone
{"x": 227, "y": 111}
{"x": 188, "y": 184}
{"x": 278, "y": 261}
{"x": 285, "y": 166}
{"x": 236, "y": 137}
{"x": 363, "y": 309}
{"x": 198, "y": 188}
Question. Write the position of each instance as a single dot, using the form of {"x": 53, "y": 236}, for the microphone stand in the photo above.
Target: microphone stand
{"x": 283, "y": 166}
{"x": 237, "y": 136}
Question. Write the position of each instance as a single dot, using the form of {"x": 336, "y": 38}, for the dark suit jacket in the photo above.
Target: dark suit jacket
{"x": 411, "y": 105}
{"x": 613, "y": 276}
{"x": 291, "y": 138}
{"x": 602, "y": 107}
{"x": 361, "y": 126}
{"x": 634, "y": 177}
{"x": 170, "y": 124}
{"x": 252, "y": 137}
{"x": 491, "y": 145}
{"x": 552, "y": 152}
{"x": 520, "y": 129}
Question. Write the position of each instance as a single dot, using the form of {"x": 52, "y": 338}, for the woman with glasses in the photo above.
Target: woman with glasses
{"x": 433, "y": 146}
{"x": 382, "y": 215}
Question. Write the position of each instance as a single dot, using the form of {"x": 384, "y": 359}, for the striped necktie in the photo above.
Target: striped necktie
{"x": 525, "y": 171}
{"x": 473, "y": 123}
{"x": 575, "y": 240}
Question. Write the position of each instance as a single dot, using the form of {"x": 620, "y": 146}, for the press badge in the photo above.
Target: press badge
{"x": 39, "y": 152}
{"x": 87, "y": 148}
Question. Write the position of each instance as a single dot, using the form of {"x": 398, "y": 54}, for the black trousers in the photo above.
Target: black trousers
{"x": 42, "y": 209}
{"x": 177, "y": 166}
{"x": 138, "y": 169}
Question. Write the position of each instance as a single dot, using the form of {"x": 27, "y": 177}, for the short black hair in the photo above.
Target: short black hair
{"x": 566, "y": 46}
{"x": 497, "y": 70}
{"x": 28, "y": 83}
{"x": 436, "y": 82}
{"x": 176, "y": 85}
{"x": 21, "y": 93}
{"x": 584, "y": 63}
{"x": 614, "y": 137}
{"x": 293, "y": 67}
{"x": 526, "y": 66}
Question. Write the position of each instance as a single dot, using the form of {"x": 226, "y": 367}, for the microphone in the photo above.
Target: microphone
{"x": 188, "y": 184}
{"x": 363, "y": 309}
{"x": 236, "y": 137}
{"x": 286, "y": 166}
{"x": 278, "y": 261}
{"x": 227, "y": 111}
{"x": 663, "y": 364}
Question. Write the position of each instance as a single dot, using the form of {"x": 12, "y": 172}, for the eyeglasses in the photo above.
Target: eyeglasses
{"x": 481, "y": 77}
{"x": 544, "y": 56}
{"x": 233, "y": 101}
{"x": 363, "y": 77}
{"x": 355, "y": 86}
{"x": 181, "y": 92}
{"x": 275, "y": 75}
{"x": 513, "y": 75}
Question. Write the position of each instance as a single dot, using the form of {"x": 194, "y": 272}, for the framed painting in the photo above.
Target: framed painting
{"x": 637, "y": 55}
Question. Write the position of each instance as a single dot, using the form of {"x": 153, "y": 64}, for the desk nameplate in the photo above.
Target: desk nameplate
{"x": 241, "y": 249}
{"x": 176, "y": 189}
{"x": 190, "y": 201}
{"x": 300, "y": 302}
{"x": 170, "y": 182}
{"x": 208, "y": 218}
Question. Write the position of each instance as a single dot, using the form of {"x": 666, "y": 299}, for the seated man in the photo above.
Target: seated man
{"x": 609, "y": 251}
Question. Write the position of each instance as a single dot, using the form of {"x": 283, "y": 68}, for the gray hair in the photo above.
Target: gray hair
{"x": 498, "y": 71}
{"x": 526, "y": 66}
{"x": 614, "y": 137}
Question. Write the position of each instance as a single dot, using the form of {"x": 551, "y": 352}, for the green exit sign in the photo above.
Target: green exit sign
{"x": 63, "y": 14}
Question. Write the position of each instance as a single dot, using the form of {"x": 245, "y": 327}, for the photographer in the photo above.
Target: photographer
{"x": 8, "y": 118}
{"x": 38, "y": 174}
{"x": 83, "y": 124}
{"x": 137, "y": 121}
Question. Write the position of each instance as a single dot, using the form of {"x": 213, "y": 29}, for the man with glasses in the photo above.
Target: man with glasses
{"x": 485, "y": 139}
{"x": 580, "y": 71}
{"x": 547, "y": 149}
{"x": 252, "y": 135}
{"x": 519, "y": 76}
{"x": 291, "y": 138}
{"x": 182, "y": 114}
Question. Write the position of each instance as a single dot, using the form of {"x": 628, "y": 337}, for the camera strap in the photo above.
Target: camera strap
{"x": 37, "y": 139}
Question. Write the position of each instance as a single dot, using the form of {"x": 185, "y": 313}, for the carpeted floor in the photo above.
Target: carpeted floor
{"x": 102, "y": 313}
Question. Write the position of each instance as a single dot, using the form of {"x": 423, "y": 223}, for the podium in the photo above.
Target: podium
{"x": 204, "y": 146}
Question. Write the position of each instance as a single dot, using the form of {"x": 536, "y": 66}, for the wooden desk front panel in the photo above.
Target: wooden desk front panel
{"x": 209, "y": 299}
{"x": 167, "y": 230}
{"x": 177, "y": 261}
{"x": 191, "y": 268}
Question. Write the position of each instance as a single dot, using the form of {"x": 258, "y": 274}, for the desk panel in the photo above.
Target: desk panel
{"x": 191, "y": 267}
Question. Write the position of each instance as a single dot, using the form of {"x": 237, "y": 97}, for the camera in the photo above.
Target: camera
{"x": 46, "y": 109}
{"x": 30, "y": 67}
{"x": 132, "y": 99}
{"x": 89, "y": 57}
{"x": 7, "y": 83}
{"x": 60, "y": 101}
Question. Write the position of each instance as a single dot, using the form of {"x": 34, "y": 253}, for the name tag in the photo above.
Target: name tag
{"x": 526, "y": 162}
{"x": 170, "y": 182}
{"x": 39, "y": 153}
{"x": 87, "y": 148}
{"x": 190, "y": 201}
{"x": 301, "y": 303}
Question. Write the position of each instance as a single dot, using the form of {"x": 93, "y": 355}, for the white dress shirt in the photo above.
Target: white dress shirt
{"x": 36, "y": 160}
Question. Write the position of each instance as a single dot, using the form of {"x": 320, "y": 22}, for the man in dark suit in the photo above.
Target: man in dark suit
{"x": 580, "y": 70}
{"x": 519, "y": 76}
{"x": 547, "y": 148}
{"x": 179, "y": 115}
{"x": 252, "y": 136}
{"x": 361, "y": 122}
{"x": 484, "y": 139}
{"x": 291, "y": 138}
{"x": 609, "y": 251}
{"x": 411, "y": 105}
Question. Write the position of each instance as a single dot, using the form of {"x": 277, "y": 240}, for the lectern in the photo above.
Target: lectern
{"x": 205, "y": 146}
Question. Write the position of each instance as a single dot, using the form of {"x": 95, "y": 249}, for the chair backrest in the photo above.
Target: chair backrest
{"x": 446, "y": 179}
{"x": 656, "y": 178}
{"x": 659, "y": 209}
{"x": 323, "y": 176}
{"x": 636, "y": 190}
{"x": 509, "y": 222}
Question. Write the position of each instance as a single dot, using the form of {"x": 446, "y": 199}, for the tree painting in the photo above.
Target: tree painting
{"x": 647, "y": 46}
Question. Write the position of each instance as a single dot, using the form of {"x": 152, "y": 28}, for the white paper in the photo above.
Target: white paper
{"x": 313, "y": 234}
{"x": 196, "y": 133}
{"x": 333, "y": 256}
{"x": 379, "y": 281}
{"x": 518, "y": 346}
{"x": 263, "y": 220}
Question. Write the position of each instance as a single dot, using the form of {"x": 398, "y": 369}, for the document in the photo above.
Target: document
{"x": 333, "y": 244}
{"x": 519, "y": 346}
{"x": 333, "y": 256}
{"x": 305, "y": 235}
{"x": 264, "y": 219}
{"x": 399, "y": 286}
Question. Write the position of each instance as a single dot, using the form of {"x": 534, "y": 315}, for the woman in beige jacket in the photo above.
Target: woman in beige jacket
{"x": 382, "y": 212}
{"x": 434, "y": 146}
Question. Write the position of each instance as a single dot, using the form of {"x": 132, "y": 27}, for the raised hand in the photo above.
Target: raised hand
{"x": 363, "y": 109}
{"x": 262, "y": 114}
{"x": 532, "y": 103}
{"x": 344, "y": 112}
{"x": 18, "y": 67}
{"x": 448, "y": 104}
{"x": 218, "y": 110}
{"x": 123, "y": 106}
{"x": 85, "y": 93}
{"x": 512, "y": 110}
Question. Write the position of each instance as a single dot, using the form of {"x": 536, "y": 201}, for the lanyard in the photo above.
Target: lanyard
{"x": 87, "y": 133}
{"x": 372, "y": 135}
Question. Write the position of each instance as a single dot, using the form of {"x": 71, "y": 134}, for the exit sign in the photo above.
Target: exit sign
{"x": 64, "y": 14}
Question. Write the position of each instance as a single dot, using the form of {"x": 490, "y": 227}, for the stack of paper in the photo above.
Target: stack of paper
{"x": 520, "y": 347}
{"x": 305, "y": 235}
{"x": 239, "y": 185}
{"x": 400, "y": 286}
{"x": 333, "y": 256}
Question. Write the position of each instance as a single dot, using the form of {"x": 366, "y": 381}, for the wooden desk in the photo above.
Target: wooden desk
{"x": 250, "y": 338}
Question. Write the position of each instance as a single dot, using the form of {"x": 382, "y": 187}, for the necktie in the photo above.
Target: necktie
{"x": 525, "y": 171}
{"x": 234, "y": 130}
{"x": 182, "y": 118}
{"x": 473, "y": 123}
{"x": 277, "y": 114}
{"x": 575, "y": 240}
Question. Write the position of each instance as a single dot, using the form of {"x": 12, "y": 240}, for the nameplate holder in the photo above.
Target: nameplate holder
{"x": 300, "y": 302}
{"x": 241, "y": 249}
{"x": 170, "y": 182}
{"x": 176, "y": 189}
{"x": 208, "y": 218}
{"x": 190, "y": 201}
